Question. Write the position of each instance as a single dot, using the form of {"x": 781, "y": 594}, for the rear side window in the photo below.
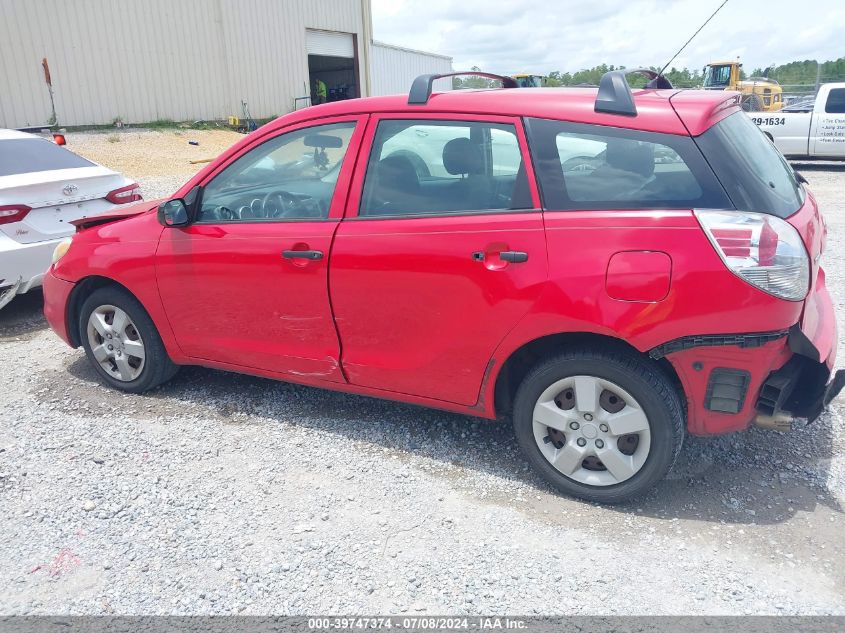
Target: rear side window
{"x": 835, "y": 101}
{"x": 25, "y": 155}
{"x": 420, "y": 167}
{"x": 754, "y": 173}
{"x": 597, "y": 167}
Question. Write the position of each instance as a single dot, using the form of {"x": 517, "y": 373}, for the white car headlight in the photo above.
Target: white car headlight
{"x": 762, "y": 249}
{"x": 61, "y": 248}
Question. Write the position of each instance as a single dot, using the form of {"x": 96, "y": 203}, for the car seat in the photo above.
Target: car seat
{"x": 463, "y": 157}
{"x": 396, "y": 187}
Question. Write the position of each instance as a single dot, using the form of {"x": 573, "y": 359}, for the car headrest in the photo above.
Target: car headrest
{"x": 462, "y": 156}
{"x": 632, "y": 156}
{"x": 398, "y": 173}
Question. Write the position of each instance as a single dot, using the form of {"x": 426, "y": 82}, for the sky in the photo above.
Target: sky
{"x": 539, "y": 36}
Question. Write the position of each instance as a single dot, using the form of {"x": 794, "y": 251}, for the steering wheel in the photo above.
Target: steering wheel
{"x": 224, "y": 213}
{"x": 277, "y": 204}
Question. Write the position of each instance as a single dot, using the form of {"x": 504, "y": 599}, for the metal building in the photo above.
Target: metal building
{"x": 395, "y": 67}
{"x": 147, "y": 60}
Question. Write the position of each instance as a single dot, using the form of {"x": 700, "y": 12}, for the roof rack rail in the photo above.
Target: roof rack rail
{"x": 421, "y": 88}
{"x": 615, "y": 96}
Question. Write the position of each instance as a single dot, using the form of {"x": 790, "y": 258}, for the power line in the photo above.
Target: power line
{"x": 693, "y": 36}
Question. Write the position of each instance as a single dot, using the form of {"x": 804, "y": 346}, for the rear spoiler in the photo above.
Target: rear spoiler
{"x": 114, "y": 215}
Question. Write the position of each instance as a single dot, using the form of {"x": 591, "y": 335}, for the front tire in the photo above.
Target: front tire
{"x": 603, "y": 426}
{"x": 122, "y": 343}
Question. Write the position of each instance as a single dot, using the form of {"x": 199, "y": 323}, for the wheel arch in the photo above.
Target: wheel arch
{"x": 80, "y": 292}
{"x": 532, "y": 352}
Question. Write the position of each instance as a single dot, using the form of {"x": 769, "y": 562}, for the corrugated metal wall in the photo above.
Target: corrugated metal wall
{"x": 143, "y": 60}
{"x": 394, "y": 68}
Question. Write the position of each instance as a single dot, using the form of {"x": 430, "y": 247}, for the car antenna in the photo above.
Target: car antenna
{"x": 680, "y": 50}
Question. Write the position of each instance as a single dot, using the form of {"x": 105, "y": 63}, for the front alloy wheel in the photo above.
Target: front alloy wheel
{"x": 121, "y": 341}
{"x": 115, "y": 343}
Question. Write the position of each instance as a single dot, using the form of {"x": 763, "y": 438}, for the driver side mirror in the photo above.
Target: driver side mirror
{"x": 173, "y": 213}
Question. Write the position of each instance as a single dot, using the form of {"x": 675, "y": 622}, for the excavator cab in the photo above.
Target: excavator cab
{"x": 759, "y": 94}
{"x": 721, "y": 76}
{"x": 525, "y": 80}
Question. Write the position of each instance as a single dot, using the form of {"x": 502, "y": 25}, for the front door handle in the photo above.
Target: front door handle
{"x": 313, "y": 255}
{"x": 514, "y": 257}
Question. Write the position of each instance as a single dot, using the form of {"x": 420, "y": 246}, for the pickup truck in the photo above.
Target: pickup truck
{"x": 810, "y": 128}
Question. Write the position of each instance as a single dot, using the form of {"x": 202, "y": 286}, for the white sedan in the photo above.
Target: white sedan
{"x": 42, "y": 188}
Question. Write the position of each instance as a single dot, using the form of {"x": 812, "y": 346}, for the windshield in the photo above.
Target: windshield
{"x": 25, "y": 155}
{"x": 717, "y": 76}
{"x": 753, "y": 172}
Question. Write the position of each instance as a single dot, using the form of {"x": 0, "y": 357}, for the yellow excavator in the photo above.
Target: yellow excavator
{"x": 759, "y": 94}
{"x": 525, "y": 80}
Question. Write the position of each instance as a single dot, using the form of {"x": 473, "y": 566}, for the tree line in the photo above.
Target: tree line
{"x": 798, "y": 74}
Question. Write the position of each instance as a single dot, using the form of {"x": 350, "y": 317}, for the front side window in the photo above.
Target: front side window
{"x": 596, "y": 167}
{"x": 835, "y": 101}
{"x": 290, "y": 177}
{"x": 444, "y": 167}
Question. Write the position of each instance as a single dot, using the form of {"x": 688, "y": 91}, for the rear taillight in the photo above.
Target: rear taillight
{"x": 129, "y": 193}
{"x": 13, "y": 213}
{"x": 764, "y": 250}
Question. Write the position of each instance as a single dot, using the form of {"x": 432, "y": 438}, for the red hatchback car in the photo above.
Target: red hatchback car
{"x": 610, "y": 268}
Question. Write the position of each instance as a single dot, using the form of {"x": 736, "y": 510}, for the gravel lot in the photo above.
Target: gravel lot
{"x": 221, "y": 493}
{"x": 158, "y": 159}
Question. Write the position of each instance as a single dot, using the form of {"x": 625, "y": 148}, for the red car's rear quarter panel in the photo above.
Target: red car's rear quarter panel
{"x": 704, "y": 297}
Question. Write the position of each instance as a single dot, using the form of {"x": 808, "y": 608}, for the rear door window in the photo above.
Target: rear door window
{"x": 754, "y": 173}
{"x": 597, "y": 167}
{"x": 25, "y": 155}
{"x": 426, "y": 167}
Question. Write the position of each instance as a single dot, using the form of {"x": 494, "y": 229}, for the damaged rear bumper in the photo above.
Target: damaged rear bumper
{"x": 732, "y": 381}
{"x": 802, "y": 388}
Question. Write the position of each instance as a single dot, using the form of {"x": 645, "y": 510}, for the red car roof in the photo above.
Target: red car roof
{"x": 697, "y": 109}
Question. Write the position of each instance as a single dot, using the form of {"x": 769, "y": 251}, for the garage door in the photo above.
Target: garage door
{"x": 329, "y": 43}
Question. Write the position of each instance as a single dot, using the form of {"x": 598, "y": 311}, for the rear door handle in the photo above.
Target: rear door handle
{"x": 514, "y": 257}
{"x": 302, "y": 255}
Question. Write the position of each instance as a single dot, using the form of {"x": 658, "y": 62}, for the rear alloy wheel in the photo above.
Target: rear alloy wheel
{"x": 591, "y": 430}
{"x": 603, "y": 426}
{"x": 122, "y": 342}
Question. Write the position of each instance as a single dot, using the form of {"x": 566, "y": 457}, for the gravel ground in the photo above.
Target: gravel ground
{"x": 158, "y": 159}
{"x": 220, "y": 493}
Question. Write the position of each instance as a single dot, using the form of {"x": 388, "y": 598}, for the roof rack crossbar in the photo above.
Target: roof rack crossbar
{"x": 615, "y": 96}
{"x": 421, "y": 88}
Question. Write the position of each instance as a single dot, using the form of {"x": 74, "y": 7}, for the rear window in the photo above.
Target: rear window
{"x": 754, "y": 173}
{"x": 835, "y": 101}
{"x": 24, "y": 155}
{"x": 584, "y": 166}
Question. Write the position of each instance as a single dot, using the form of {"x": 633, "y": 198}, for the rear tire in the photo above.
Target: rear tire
{"x": 122, "y": 343}
{"x": 600, "y": 425}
